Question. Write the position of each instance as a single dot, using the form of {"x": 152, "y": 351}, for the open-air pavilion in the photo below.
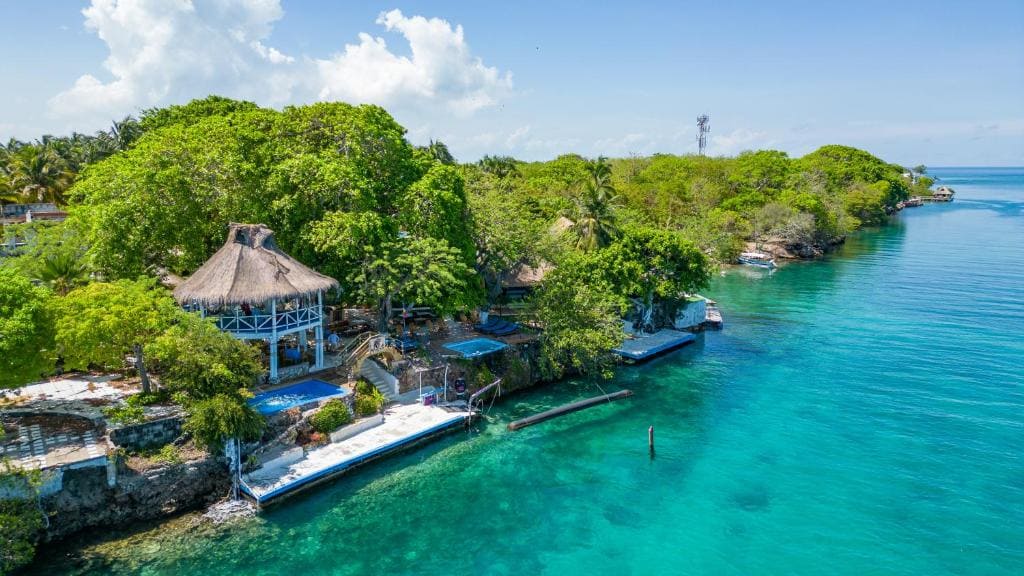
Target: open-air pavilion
{"x": 257, "y": 292}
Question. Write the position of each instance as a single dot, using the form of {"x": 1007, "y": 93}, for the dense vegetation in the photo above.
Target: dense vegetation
{"x": 396, "y": 224}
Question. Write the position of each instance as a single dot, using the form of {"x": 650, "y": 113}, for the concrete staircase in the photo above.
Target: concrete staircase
{"x": 380, "y": 378}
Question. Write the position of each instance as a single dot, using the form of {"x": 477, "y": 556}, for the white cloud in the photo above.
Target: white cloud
{"x": 517, "y": 136}
{"x": 738, "y": 140}
{"x": 442, "y": 69}
{"x": 163, "y": 52}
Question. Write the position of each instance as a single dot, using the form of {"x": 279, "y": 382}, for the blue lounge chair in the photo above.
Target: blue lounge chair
{"x": 491, "y": 323}
{"x": 497, "y": 327}
{"x": 510, "y": 329}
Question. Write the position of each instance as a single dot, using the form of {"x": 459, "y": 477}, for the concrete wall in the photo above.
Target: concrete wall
{"x": 692, "y": 315}
{"x": 148, "y": 434}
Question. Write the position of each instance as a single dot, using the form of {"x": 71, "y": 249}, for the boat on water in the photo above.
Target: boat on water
{"x": 759, "y": 259}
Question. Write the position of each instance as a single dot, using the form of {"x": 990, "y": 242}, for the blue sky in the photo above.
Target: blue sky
{"x": 940, "y": 83}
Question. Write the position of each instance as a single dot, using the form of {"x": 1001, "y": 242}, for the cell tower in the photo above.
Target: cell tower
{"x": 703, "y": 127}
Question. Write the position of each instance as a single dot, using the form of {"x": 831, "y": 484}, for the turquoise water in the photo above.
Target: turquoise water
{"x": 861, "y": 415}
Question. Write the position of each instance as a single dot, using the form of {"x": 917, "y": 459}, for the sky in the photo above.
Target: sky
{"x": 935, "y": 83}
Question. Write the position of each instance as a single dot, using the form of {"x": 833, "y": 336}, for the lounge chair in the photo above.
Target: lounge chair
{"x": 491, "y": 323}
{"x": 510, "y": 329}
{"x": 496, "y": 327}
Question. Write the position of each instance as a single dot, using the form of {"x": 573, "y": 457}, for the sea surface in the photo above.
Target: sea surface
{"x": 858, "y": 415}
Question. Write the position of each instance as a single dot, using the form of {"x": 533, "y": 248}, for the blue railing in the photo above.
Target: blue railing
{"x": 264, "y": 323}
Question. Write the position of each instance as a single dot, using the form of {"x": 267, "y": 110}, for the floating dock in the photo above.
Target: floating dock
{"x": 403, "y": 426}
{"x": 645, "y": 347}
{"x": 567, "y": 408}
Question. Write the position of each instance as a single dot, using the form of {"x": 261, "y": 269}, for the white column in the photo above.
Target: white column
{"x": 273, "y": 341}
{"x": 319, "y": 331}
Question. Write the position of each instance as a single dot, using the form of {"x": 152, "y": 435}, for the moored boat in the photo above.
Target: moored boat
{"x": 759, "y": 259}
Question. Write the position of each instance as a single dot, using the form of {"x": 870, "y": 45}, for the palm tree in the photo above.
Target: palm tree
{"x": 439, "y": 151}
{"x": 593, "y": 217}
{"x": 40, "y": 174}
{"x": 593, "y": 211}
{"x": 127, "y": 131}
{"x": 62, "y": 272}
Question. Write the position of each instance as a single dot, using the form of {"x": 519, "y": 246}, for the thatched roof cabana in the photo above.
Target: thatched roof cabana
{"x": 526, "y": 276}
{"x": 250, "y": 269}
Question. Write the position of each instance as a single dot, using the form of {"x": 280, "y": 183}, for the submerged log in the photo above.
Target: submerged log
{"x": 567, "y": 408}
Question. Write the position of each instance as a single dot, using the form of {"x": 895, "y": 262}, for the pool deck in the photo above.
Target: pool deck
{"x": 651, "y": 345}
{"x": 403, "y": 425}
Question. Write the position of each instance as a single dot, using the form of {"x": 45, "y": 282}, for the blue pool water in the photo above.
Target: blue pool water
{"x": 476, "y": 347}
{"x": 295, "y": 395}
{"x": 859, "y": 415}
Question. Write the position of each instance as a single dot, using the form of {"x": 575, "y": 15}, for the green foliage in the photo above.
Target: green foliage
{"x": 580, "y": 312}
{"x": 332, "y": 415}
{"x": 99, "y": 323}
{"x": 192, "y": 112}
{"x": 26, "y": 330}
{"x": 649, "y": 262}
{"x": 20, "y": 518}
{"x": 214, "y": 420}
{"x": 200, "y": 361}
{"x": 168, "y": 454}
{"x": 369, "y": 400}
{"x": 125, "y": 414}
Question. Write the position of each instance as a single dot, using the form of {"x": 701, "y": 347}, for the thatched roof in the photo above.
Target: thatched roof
{"x": 526, "y": 276}
{"x": 250, "y": 269}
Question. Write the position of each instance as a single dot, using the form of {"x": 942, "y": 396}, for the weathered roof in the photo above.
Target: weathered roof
{"x": 250, "y": 269}
{"x": 525, "y": 276}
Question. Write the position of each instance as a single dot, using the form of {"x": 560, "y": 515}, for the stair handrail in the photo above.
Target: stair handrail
{"x": 356, "y": 344}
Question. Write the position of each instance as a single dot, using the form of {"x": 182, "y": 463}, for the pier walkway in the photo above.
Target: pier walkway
{"x": 644, "y": 347}
{"x": 403, "y": 424}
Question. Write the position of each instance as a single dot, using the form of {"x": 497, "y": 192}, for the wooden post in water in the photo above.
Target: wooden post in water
{"x": 650, "y": 440}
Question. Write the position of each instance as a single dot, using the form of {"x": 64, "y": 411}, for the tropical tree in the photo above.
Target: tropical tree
{"x": 439, "y": 152}
{"x": 98, "y": 324}
{"x": 26, "y": 329}
{"x": 63, "y": 271}
{"x": 650, "y": 263}
{"x": 40, "y": 175}
{"x": 196, "y": 358}
{"x": 580, "y": 312}
{"x": 594, "y": 221}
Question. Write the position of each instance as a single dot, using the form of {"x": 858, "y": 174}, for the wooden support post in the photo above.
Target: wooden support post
{"x": 650, "y": 440}
{"x": 273, "y": 341}
{"x": 318, "y": 333}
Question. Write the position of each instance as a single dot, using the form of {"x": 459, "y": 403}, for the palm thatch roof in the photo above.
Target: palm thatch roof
{"x": 250, "y": 269}
{"x": 526, "y": 276}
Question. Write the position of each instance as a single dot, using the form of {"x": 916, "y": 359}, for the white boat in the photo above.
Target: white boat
{"x": 759, "y": 259}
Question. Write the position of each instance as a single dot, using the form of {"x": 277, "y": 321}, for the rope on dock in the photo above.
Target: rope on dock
{"x": 567, "y": 408}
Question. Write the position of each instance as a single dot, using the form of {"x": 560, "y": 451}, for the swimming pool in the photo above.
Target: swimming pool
{"x": 476, "y": 347}
{"x": 305, "y": 392}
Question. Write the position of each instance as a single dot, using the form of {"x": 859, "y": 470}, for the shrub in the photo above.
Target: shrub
{"x": 196, "y": 359}
{"x": 212, "y": 421}
{"x": 331, "y": 416}
{"x": 20, "y": 519}
{"x": 128, "y": 413}
{"x": 368, "y": 399}
{"x": 169, "y": 454}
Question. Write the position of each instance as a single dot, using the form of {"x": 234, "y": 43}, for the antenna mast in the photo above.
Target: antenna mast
{"x": 703, "y": 127}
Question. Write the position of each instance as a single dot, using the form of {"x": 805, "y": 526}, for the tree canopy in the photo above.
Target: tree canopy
{"x": 26, "y": 330}
{"x": 98, "y": 324}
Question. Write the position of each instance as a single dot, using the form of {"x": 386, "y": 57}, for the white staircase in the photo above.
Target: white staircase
{"x": 380, "y": 378}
